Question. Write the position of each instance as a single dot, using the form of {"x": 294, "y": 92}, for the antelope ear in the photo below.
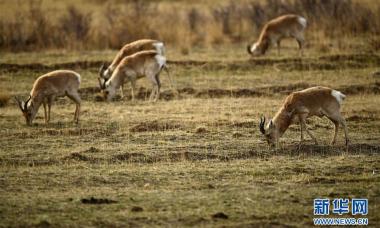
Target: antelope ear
{"x": 100, "y": 82}
{"x": 271, "y": 124}
{"x": 249, "y": 49}
{"x": 26, "y": 104}
{"x": 102, "y": 69}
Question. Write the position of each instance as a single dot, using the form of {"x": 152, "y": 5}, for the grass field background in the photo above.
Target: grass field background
{"x": 183, "y": 160}
{"x": 197, "y": 159}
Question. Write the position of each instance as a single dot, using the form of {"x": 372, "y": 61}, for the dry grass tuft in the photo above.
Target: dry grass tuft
{"x": 201, "y": 130}
{"x": 99, "y": 97}
{"x": 237, "y": 134}
{"x": 4, "y": 99}
{"x": 185, "y": 25}
{"x": 155, "y": 125}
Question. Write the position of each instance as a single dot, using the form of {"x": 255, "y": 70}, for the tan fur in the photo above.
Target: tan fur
{"x": 277, "y": 29}
{"x": 134, "y": 67}
{"x": 298, "y": 106}
{"x": 49, "y": 86}
{"x": 129, "y": 49}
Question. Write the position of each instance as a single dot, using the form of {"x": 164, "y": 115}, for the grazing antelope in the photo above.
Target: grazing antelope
{"x": 274, "y": 31}
{"x": 298, "y": 106}
{"x": 133, "y": 67}
{"x": 46, "y": 88}
{"x": 129, "y": 49}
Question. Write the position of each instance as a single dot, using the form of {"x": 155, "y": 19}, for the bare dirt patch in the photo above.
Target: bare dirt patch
{"x": 90, "y": 93}
{"x": 328, "y": 62}
{"x": 201, "y": 130}
{"x": 173, "y": 157}
{"x": 12, "y": 67}
{"x": 216, "y": 93}
{"x": 27, "y": 162}
{"x": 178, "y": 155}
{"x": 219, "y": 215}
{"x": 93, "y": 200}
{"x": 133, "y": 157}
{"x": 360, "y": 58}
{"x": 327, "y": 150}
{"x": 361, "y": 89}
{"x": 77, "y": 156}
{"x": 357, "y": 118}
{"x": 307, "y": 66}
{"x": 155, "y": 126}
{"x": 244, "y": 124}
{"x": 68, "y": 132}
{"x": 137, "y": 209}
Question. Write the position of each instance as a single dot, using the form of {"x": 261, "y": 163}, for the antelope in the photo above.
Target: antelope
{"x": 46, "y": 88}
{"x": 274, "y": 31}
{"x": 133, "y": 67}
{"x": 298, "y": 106}
{"x": 140, "y": 45}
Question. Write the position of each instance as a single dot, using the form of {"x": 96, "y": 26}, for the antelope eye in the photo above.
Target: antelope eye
{"x": 106, "y": 92}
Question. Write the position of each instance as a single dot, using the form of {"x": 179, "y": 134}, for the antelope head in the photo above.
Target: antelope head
{"x": 27, "y": 110}
{"x": 103, "y": 71}
{"x": 270, "y": 131}
{"x": 106, "y": 89}
{"x": 258, "y": 48}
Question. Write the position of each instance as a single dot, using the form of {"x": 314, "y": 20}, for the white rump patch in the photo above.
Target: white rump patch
{"x": 160, "y": 48}
{"x": 161, "y": 60}
{"x": 338, "y": 96}
{"x": 78, "y": 76}
{"x": 302, "y": 21}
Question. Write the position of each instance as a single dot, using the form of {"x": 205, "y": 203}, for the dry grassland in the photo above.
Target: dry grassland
{"x": 193, "y": 160}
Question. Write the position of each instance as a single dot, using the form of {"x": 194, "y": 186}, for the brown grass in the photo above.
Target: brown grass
{"x": 198, "y": 160}
{"x": 111, "y": 24}
{"x": 4, "y": 99}
{"x": 193, "y": 160}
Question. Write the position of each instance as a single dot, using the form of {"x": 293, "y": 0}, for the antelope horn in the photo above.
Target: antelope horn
{"x": 249, "y": 49}
{"x": 19, "y": 104}
{"x": 26, "y": 103}
{"x": 261, "y": 125}
{"x": 102, "y": 69}
{"x": 100, "y": 83}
